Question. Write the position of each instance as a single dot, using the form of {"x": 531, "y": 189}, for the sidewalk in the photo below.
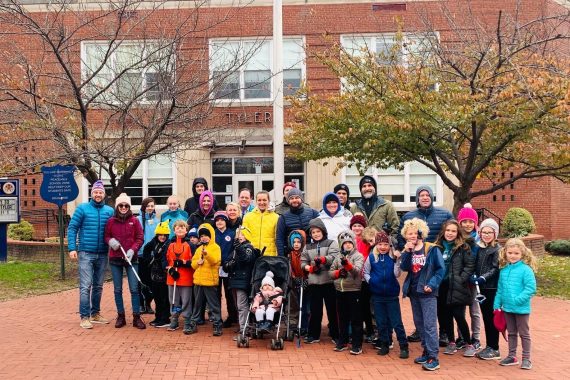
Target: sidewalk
{"x": 40, "y": 337}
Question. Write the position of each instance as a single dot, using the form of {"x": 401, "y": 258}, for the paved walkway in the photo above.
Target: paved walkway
{"x": 40, "y": 337}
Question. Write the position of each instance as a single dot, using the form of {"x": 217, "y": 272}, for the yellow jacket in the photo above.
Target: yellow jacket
{"x": 207, "y": 273}
{"x": 260, "y": 228}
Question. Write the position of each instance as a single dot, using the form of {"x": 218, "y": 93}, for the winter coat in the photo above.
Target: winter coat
{"x": 325, "y": 248}
{"x": 154, "y": 254}
{"x": 179, "y": 249}
{"x": 383, "y": 211}
{"x": 148, "y": 225}
{"x": 263, "y": 297}
{"x": 294, "y": 219}
{"x": 260, "y": 229}
{"x": 433, "y": 216}
{"x": 240, "y": 275}
{"x": 88, "y": 222}
{"x": 487, "y": 266}
{"x": 517, "y": 285}
{"x": 295, "y": 256}
{"x": 282, "y": 207}
{"x": 191, "y": 205}
{"x": 225, "y": 240}
{"x": 201, "y": 215}
{"x": 173, "y": 216}
{"x": 235, "y": 224}
{"x": 207, "y": 273}
{"x": 128, "y": 232}
{"x": 336, "y": 223}
{"x": 381, "y": 272}
{"x": 352, "y": 282}
{"x": 430, "y": 275}
{"x": 461, "y": 267}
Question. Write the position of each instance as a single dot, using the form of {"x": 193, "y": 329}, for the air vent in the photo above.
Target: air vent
{"x": 389, "y": 7}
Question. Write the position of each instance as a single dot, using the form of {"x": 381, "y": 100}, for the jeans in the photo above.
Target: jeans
{"x": 117, "y": 272}
{"x": 389, "y": 317}
{"x": 424, "y": 311}
{"x": 91, "y": 276}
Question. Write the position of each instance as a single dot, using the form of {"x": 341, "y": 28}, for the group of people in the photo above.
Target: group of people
{"x": 347, "y": 256}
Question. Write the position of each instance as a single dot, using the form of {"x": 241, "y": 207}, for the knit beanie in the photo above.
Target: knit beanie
{"x": 491, "y": 224}
{"x": 123, "y": 198}
{"x": 192, "y": 233}
{"x": 358, "y": 219}
{"x": 98, "y": 185}
{"x": 221, "y": 215}
{"x": 162, "y": 228}
{"x": 294, "y": 192}
{"x": 341, "y": 186}
{"x": 368, "y": 179}
{"x": 382, "y": 237}
{"x": 345, "y": 236}
{"x": 292, "y": 184}
{"x": 468, "y": 213}
{"x": 268, "y": 279}
{"x": 204, "y": 231}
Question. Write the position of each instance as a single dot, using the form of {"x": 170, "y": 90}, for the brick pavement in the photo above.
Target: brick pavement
{"x": 40, "y": 337}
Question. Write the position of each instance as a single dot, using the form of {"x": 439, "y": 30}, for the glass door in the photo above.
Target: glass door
{"x": 254, "y": 182}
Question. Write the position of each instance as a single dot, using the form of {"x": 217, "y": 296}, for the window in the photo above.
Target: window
{"x": 130, "y": 71}
{"x": 398, "y": 186}
{"x": 241, "y": 70}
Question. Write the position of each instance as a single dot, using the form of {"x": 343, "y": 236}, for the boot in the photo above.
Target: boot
{"x": 121, "y": 321}
{"x": 218, "y": 330}
{"x": 404, "y": 351}
{"x": 384, "y": 349}
{"x": 187, "y": 327}
{"x": 138, "y": 322}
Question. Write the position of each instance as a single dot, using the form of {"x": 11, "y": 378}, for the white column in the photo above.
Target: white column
{"x": 277, "y": 85}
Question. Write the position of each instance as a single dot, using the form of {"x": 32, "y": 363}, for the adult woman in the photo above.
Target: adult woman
{"x": 205, "y": 212}
{"x": 148, "y": 220}
{"x": 123, "y": 232}
{"x": 234, "y": 217}
{"x": 260, "y": 225}
{"x": 335, "y": 217}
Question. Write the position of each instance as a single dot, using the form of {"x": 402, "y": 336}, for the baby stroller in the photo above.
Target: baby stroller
{"x": 279, "y": 265}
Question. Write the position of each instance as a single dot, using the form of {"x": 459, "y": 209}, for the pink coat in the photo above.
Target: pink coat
{"x": 276, "y": 302}
{"x": 128, "y": 232}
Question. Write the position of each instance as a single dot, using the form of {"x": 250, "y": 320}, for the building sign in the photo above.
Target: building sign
{"x": 58, "y": 184}
{"x": 249, "y": 117}
{"x": 9, "y": 201}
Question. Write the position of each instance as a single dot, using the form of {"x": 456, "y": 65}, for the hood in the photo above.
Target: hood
{"x": 206, "y": 193}
{"x": 318, "y": 223}
{"x": 297, "y": 234}
{"x": 209, "y": 227}
{"x": 345, "y": 236}
{"x": 370, "y": 179}
{"x": 196, "y": 181}
{"x": 331, "y": 197}
{"x": 419, "y": 190}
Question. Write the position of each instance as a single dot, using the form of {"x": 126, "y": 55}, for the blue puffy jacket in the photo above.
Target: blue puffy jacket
{"x": 293, "y": 219}
{"x": 517, "y": 285}
{"x": 149, "y": 225}
{"x": 88, "y": 222}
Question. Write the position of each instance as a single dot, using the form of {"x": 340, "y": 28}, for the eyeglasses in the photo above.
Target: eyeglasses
{"x": 487, "y": 232}
{"x": 123, "y": 205}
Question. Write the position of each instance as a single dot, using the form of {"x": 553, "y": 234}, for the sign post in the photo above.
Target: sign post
{"x": 59, "y": 187}
{"x": 9, "y": 211}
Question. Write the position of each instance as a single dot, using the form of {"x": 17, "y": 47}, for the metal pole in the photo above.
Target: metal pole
{"x": 61, "y": 234}
{"x": 277, "y": 84}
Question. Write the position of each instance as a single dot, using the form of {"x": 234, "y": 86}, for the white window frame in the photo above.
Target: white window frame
{"x": 269, "y": 40}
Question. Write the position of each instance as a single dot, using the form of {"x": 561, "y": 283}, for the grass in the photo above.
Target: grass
{"x": 553, "y": 276}
{"x": 23, "y": 279}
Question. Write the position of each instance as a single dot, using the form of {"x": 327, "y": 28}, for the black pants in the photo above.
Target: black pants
{"x": 456, "y": 312}
{"x": 318, "y": 294}
{"x": 365, "y": 308}
{"x": 161, "y": 301}
{"x": 491, "y": 332}
{"x": 145, "y": 295}
{"x": 442, "y": 305}
{"x": 230, "y": 301}
{"x": 349, "y": 309}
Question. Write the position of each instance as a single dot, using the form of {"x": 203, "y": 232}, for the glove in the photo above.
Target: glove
{"x": 177, "y": 263}
{"x": 315, "y": 269}
{"x": 343, "y": 261}
{"x": 114, "y": 244}
{"x": 130, "y": 254}
{"x": 481, "y": 280}
{"x": 342, "y": 273}
{"x": 173, "y": 273}
{"x": 320, "y": 260}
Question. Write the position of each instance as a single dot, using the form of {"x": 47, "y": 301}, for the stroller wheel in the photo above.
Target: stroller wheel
{"x": 246, "y": 343}
{"x": 238, "y": 341}
{"x": 281, "y": 343}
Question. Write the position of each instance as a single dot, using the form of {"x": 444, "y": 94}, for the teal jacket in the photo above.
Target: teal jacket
{"x": 517, "y": 285}
{"x": 173, "y": 216}
{"x": 88, "y": 223}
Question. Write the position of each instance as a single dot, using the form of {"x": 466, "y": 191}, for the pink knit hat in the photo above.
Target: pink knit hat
{"x": 468, "y": 213}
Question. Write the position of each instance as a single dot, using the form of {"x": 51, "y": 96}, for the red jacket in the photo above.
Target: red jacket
{"x": 180, "y": 250}
{"x": 128, "y": 232}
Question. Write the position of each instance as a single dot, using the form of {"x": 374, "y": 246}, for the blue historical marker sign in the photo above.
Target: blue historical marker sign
{"x": 58, "y": 185}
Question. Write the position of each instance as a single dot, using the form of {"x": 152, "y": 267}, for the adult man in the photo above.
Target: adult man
{"x": 88, "y": 222}
{"x": 296, "y": 218}
{"x": 284, "y": 206}
{"x": 343, "y": 193}
{"x": 198, "y": 186}
{"x": 245, "y": 203}
{"x": 375, "y": 209}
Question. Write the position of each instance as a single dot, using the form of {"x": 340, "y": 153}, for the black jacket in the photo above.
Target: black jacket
{"x": 198, "y": 218}
{"x": 240, "y": 274}
{"x": 460, "y": 269}
{"x": 487, "y": 266}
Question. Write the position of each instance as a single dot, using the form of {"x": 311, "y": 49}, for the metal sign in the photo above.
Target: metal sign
{"x": 58, "y": 184}
{"x": 9, "y": 201}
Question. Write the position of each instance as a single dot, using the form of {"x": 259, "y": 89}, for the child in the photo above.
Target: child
{"x": 267, "y": 302}
{"x": 468, "y": 219}
{"x": 154, "y": 253}
{"x": 225, "y": 239}
{"x": 425, "y": 269}
{"x": 173, "y": 213}
{"x": 346, "y": 270}
{"x": 454, "y": 291}
{"x": 193, "y": 239}
{"x": 180, "y": 277}
{"x": 206, "y": 263}
{"x": 296, "y": 243}
{"x": 517, "y": 285}
{"x": 316, "y": 260}
{"x": 487, "y": 275}
{"x": 381, "y": 272}
{"x": 239, "y": 268}
{"x": 148, "y": 220}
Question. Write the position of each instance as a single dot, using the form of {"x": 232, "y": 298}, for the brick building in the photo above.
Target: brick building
{"x": 246, "y": 104}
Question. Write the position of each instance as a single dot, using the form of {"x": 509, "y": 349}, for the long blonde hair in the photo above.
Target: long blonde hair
{"x": 527, "y": 256}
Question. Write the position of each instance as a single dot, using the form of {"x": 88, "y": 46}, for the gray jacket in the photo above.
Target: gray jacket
{"x": 353, "y": 281}
{"x": 325, "y": 248}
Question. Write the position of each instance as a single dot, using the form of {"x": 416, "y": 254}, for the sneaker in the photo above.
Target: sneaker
{"x": 368, "y": 338}
{"x": 152, "y": 323}
{"x": 391, "y": 345}
{"x": 161, "y": 325}
{"x": 526, "y": 364}
{"x": 340, "y": 348}
{"x": 414, "y": 337}
{"x": 443, "y": 340}
{"x": 476, "y": 344}
{"x": 173, "y": 326}
{"x": 431, "y": 365}
{"x": 311, "y": 340}
{"x": 509, "y": 360}
{"x": 187, "y": 326}
{"x": 404, "y": 353}
{"x": 356, "y": 351}
{"x": 200, "y": 322}
{"x": 450, "y": 349}
{"x": 421, "y": 359}
{"x": 85, "y": 323}
{"x": 489, "y": 354}
{"x": 460, "y": 344}
{"x": 470, "y": 351}
{"x": 98, "y": 318}
{"x": 384, "y": 349}
{"x": 217, "y": 330}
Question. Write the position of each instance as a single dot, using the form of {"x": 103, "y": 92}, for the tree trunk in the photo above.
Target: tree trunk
{"x": 460, "y": 197}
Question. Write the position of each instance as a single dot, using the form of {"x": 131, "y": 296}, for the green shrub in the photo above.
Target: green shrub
{"x": 518, "y": 222}
{"x": 558, "y": 247}
{"x": 21, "y": 231}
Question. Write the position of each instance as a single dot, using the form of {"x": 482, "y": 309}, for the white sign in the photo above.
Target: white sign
{"x": 9, "y": 210}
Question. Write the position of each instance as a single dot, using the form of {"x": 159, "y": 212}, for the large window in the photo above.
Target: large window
{"x": 241, "y": 70}
{"x": 130, "y": 71}
{"x": 398, "y": 186}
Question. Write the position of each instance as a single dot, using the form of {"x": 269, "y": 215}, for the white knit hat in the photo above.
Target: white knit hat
{"x": 491, "y": 224}
{"x": 268, "y": 279}
{"x": 123, "y": 198}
